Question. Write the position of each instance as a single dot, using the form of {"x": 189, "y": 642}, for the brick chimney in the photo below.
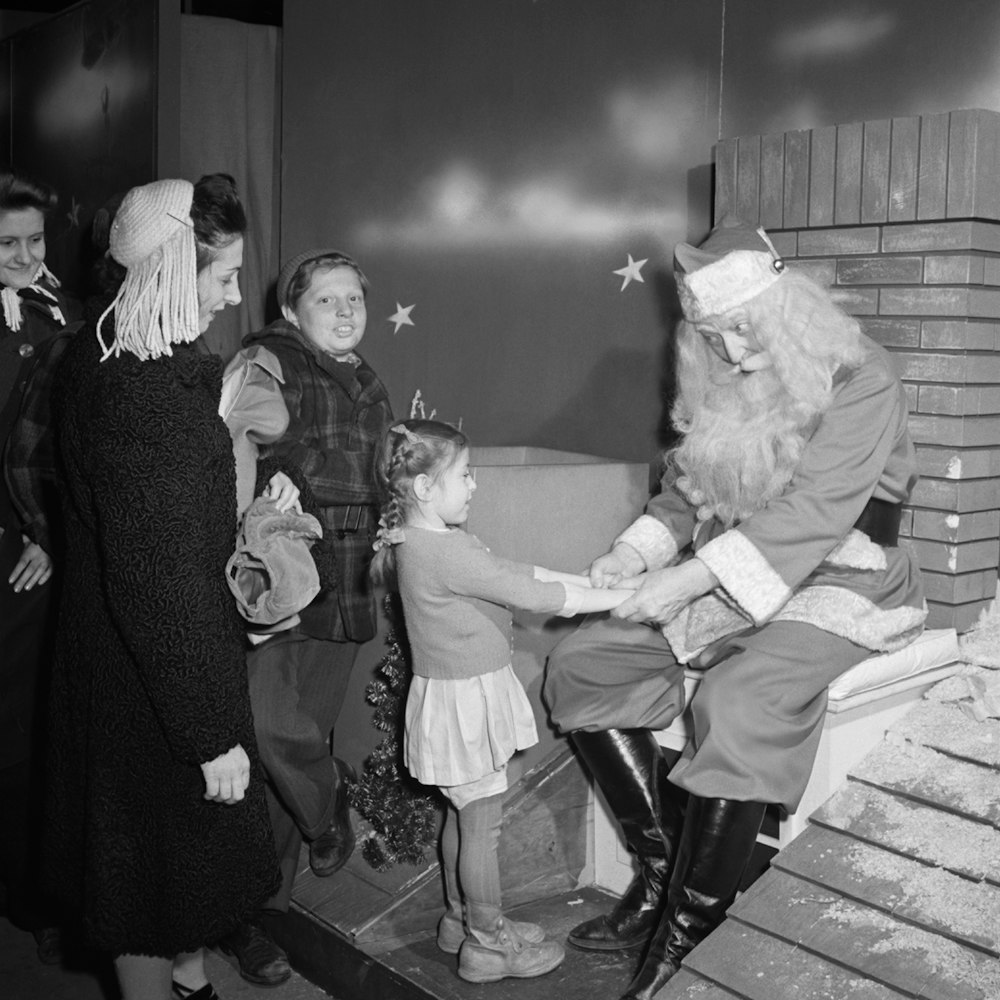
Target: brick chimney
{"x": 901, "y": 217}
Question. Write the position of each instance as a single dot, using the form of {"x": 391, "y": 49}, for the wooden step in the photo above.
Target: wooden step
{"x": 938, "y": 838}
{"x": 874, "y": 944}
{"x": 936, "y": 779}
{"x": 932, "y": 898}
{"x": 756, "y": 966}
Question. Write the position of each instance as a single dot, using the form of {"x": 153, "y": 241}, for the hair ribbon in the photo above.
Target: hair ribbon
{"x": 407, "y": 433}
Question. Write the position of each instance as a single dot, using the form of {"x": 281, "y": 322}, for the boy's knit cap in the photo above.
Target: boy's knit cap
{"x": 291, "y": 266}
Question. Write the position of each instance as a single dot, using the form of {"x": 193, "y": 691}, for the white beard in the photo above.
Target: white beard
{"x": 742, "y": 442}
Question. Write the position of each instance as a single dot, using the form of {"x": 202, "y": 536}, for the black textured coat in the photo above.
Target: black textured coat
{"x": 150, "y": 676}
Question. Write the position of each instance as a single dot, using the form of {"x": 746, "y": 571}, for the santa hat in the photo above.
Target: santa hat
{"x": 733, "y": 265}
{"x": 152, "y": 237}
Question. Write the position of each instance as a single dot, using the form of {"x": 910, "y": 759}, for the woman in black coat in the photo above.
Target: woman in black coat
{"x": 159, "y": 836}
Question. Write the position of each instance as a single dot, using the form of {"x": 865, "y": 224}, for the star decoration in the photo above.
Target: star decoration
{"x": 631, "y": 272}
{"x": 74, "y": 213}
{"x": 401, "y": 317}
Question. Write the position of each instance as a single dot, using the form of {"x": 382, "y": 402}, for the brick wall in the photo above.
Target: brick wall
{"x": 902, "y": 218}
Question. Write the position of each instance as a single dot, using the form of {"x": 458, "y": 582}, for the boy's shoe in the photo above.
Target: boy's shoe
{"x": 330, "y": 851}
{"x": 261, "y": 960}
{"x": 487, "y": 958}
{"x": 451, "y": 932}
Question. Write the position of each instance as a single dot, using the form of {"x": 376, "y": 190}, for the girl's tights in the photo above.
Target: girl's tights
{"x": 469, "y": 843}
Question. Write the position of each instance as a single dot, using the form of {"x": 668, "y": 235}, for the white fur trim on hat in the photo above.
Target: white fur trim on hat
{"x": 729, "y": 282}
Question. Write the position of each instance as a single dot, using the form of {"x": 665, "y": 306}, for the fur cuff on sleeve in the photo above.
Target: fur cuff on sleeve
{"x": 745, "y": 574}
{"x": 651, "y": 539}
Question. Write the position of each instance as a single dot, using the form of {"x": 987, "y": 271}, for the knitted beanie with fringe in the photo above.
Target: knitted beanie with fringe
{"x": 152, "y": 237}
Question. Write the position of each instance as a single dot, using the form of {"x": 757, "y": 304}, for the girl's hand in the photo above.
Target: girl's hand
{"x": 227, "y": 777}
{"x": 282, "y": 490}
{"x": 611, "y": 568}
{"x": 666, "y": 592}
{"x": 33, "y": 568}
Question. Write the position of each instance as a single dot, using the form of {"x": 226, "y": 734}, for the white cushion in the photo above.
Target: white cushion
{"x": 931, "y": 649}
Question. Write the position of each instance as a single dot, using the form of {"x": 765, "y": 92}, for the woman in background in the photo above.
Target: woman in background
{"x": 158, "y": 830}
{"x": 32, "y": 331}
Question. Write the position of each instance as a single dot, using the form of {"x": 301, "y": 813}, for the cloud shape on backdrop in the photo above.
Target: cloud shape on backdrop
{"x": 461, "y": 206}
{"x": 834, "y": 37}
{"x": 645, "y": 138}
{"x": 651, "y": 138}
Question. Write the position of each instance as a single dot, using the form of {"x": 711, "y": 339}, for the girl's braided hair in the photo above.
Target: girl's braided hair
{"x": 408, "y": 449}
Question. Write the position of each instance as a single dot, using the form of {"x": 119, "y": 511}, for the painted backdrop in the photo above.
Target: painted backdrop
{"x": 493, "y": 163}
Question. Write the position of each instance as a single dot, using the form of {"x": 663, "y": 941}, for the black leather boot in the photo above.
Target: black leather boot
{"x": 631, "y": 770}
{"x": 719, "y": 837}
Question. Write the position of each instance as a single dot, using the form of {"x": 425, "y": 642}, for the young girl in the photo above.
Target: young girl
{"x": 466, "y": 713}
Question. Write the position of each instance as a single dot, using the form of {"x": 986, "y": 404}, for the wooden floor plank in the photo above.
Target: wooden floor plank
{"x": 343, "y": 901}
{"x": 932, "y": 898}
{"x": 582, "y": 974}
{"x": 928, "y": 776}
{"x": 919, "y": 831}
{"x": 944, "y": 726}
{"x": 357, "y": 896}
{"x": 757, "y": 966}
{"x": 873, "y": 943}
{"x": 419, "y": 970}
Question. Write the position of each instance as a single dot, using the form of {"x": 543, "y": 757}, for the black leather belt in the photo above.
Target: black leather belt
{"x": 880, "y": 521}
{"x": 349, "y": 518}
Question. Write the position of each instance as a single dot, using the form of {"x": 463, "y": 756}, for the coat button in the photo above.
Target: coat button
{"x": 26, "y": 350}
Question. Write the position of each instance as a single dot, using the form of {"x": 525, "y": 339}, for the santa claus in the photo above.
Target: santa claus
{"x": 769, "y": 559}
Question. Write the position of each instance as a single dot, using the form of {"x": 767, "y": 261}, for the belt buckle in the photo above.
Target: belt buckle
{"x": 356, "y": 510}
{"x": 352, "y": 520}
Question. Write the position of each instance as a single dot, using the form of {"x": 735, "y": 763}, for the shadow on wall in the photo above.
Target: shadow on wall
{"x": 669, "y": 311}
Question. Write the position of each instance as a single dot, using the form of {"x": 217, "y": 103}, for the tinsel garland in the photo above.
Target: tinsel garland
{"x": 403, "y": 814}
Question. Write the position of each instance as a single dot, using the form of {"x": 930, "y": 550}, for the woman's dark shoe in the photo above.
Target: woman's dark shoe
{"x": 180, "y": 992}
{"x": 631, "y": 770}
{"x": 330, "y": 851}
{"x": 719, "y": 837}
{"x": 261, "y": 961}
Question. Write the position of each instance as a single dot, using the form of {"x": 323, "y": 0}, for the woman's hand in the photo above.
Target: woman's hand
{"x": 282, "y": 490}
{"x": 610, "y": 569}
{"x": 666, "y": 592}
{"x": 227, "y": 777}
{"x": 33, "y": 568}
